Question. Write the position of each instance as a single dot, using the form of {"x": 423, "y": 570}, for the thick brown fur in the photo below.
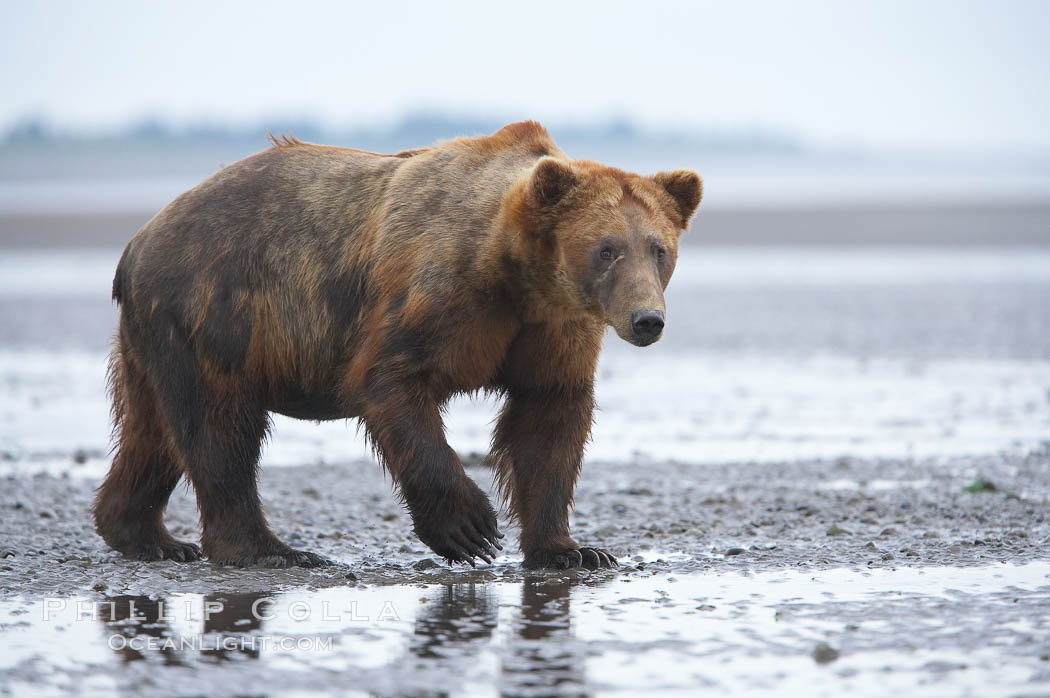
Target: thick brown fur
{"x": 330, "y": 283}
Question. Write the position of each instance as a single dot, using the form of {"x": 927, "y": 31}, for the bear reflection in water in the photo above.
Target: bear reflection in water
{"x": 462, "y": 620}
{"x": 140, "y": 626}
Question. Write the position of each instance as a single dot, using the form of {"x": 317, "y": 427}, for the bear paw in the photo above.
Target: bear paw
{"x": 588, "y": 558}
{"x": 291, "y": 558}
{"x": 274, "y": 556}
{"x": 469, "y": 531}
{"x": 162, "y": 550}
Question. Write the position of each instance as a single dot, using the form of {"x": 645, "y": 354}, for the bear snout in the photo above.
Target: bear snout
{"x": 647, "y": 324}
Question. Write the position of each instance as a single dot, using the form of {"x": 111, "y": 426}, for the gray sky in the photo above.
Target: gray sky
{"x": 871, "y": 74}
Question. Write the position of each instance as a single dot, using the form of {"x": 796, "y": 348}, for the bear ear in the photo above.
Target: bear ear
{"x": 686, "y": 189}
{"x": 533, "y": 204}
{"x": 551, "y": 180}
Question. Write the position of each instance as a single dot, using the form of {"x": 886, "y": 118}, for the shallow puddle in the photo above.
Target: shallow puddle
{"x": 916, "y": 631}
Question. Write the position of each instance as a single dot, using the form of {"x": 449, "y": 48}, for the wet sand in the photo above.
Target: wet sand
{"x": 712, "y": 518}
{"x": 825, "y": 576}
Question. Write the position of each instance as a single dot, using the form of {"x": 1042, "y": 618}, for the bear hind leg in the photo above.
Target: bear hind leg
{"x": 129, "y": 506}
{"x": 218, "y": 425}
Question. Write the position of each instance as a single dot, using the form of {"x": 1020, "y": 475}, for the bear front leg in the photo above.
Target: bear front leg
{"x": 450, "y": 513}
{"x": 538, "y": 450}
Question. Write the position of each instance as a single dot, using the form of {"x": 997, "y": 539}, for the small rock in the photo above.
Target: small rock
{"x": 890, "y": 531}
{"x": 887, "y": 556}
{"x": 390, "y": 516}
{"x": 425, "y": 564}
{"x": 837, "y": 530}
{"x": 99, "y": 586}
{"x": 351, "y": 576}
{"x": 705, "y": 607}
{"x": 825, "y": 653}
{"x": 870, "y": 546}
{"x": 80, "y": 456}
{"x": 311, "y": 492}
{"x": 735, "y": 551}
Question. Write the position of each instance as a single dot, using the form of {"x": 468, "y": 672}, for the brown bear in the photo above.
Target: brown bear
{"x": 330, "y": 283}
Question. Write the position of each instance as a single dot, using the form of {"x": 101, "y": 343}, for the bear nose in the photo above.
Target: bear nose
{"x": 647, "y": 323}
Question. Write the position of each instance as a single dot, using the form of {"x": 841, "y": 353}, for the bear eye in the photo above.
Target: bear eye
{"x": 659, "y": 252}
{"x": 607, "y": 253}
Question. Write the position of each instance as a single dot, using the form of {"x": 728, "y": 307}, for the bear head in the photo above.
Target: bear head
{"x": 590, "y": 239}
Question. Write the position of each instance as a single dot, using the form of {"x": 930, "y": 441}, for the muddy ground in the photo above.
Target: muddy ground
{"x": 813, "y": 515}
{"x": 704, "y": 551}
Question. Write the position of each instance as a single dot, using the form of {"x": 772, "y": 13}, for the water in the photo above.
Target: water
{"x": 732, "y": 632}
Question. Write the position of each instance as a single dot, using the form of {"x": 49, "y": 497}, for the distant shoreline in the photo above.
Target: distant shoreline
{"x": 1022, "y": 224}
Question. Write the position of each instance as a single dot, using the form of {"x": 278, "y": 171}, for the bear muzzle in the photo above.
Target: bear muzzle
{"x": 647, "y": 324}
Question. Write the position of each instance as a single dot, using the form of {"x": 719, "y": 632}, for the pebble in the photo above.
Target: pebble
{"x": 425, "y": 564}
{"x": 824, "y": 653}
{"x": 837, "y": 530}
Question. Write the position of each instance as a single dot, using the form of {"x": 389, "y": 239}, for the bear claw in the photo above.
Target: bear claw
{"x": 587, "y": 558}
{"x": 168, "y": 550}
{"x": 467, "y": 544}
{"x": 292, "y": 558}
{"x": 273, "y": 559}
